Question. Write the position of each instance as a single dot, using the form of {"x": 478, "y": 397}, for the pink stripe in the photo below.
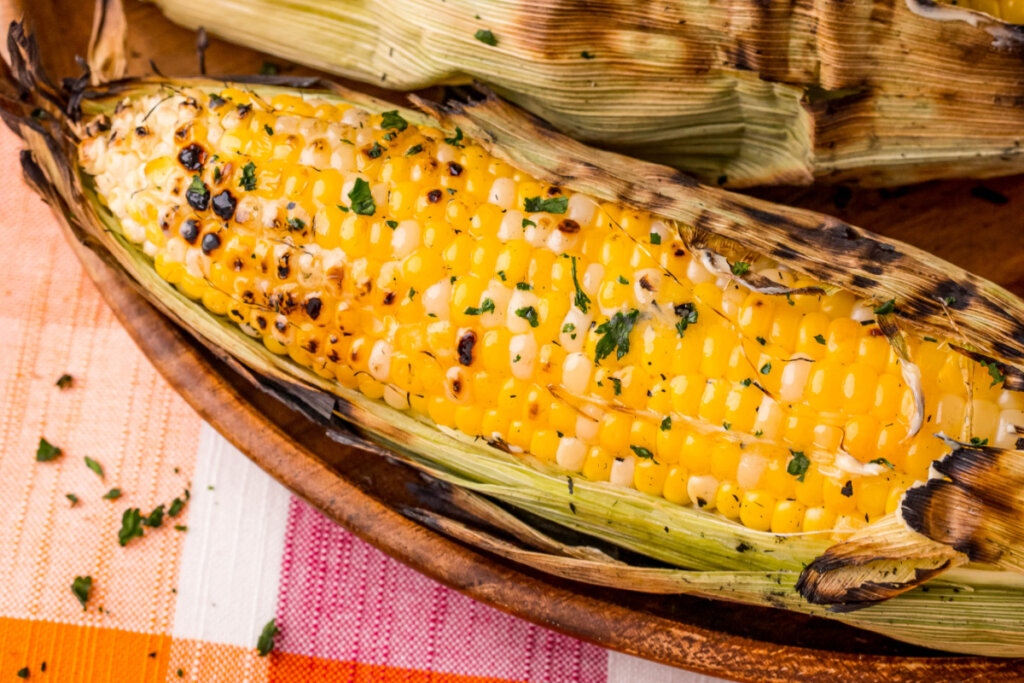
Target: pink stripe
{"x": 342, "y": 599}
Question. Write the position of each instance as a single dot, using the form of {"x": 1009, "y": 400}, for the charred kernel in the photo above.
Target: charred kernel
{"x": 389, "y": 298}
{"x": 192, "y": 157}
{"x": 554, "y": 190}
{"x": 454, "y": 168}
{"x": 283, "y": 267}
{"x": 224, "y": 204}
{"x": 313, "y": 305}
{"x": 280, "y": 325}
{"x": 261, "y": 322}
{"x": 434, "y": 196}
{"x": 189, "y": 230}
{"x": 568, "y": 226}
{"x": 465, "y": 347}
{"x": 141, "y": 131}
{"x": 210, "y": 242}
{"x": 198, "y": 196}
{"x": 243, "y": 110}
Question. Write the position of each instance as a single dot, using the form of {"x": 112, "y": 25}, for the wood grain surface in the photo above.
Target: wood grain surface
{"x": 977, "y": 226}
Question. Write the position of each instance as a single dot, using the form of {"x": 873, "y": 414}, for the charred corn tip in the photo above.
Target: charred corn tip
{"x": 406, "y": 262}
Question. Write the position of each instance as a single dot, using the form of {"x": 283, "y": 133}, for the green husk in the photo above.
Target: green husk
{"x": 965, "y": 611}
{"x": 743, "y": 93}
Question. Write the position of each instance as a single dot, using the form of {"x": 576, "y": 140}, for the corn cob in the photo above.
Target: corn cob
{"x": 744, "y": 94}
{"x": 410, "y": 264}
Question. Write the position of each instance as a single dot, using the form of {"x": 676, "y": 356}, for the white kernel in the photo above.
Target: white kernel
{"x": 522, "y": 354}
{"x": 395, "y": 398}
{"x": 581, "y": 209}
{"x": 576, "y": 369}
{"x": 586, "y": 429}
{"x": 436, "y": 299}
{"x": 405, "y": 238}
{"x": 570, "y": 454}
{"x": 702, "y": 487}
{"x": 500, "y": 295}
{"x": 519, "y": 301}
{"x": 769, "y": 418}
{"x": 573, "y": 332}
{"x": 379, "y": 363}
{"x": 1006, "y": 434}
{"x": 622, "y": 471}
{"x": 537, "y": 230}
{"x": 646, "y": 284}
{"x": 354, "y": 116}
{"x": 592, "y": 278}
{"x": 748, "y": 473}
{"x": 561, "y": 242}
{"x": 698, "y": 274}
{"x": 503, "y": 193}
{"x": 511, "y": 227}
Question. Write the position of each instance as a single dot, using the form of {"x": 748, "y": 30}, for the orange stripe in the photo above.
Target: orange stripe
{"x": 80, "y": 654}
{"x": 290, "y": 668}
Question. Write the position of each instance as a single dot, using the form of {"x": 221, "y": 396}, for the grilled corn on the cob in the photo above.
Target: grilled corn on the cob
{"x": 411, "y": 264}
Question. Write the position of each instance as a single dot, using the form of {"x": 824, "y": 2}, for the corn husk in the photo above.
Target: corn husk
{"x": 747, "y": 92}
{"x": 972, "y": 609}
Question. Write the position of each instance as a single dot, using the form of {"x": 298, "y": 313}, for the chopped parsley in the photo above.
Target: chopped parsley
{"x": 266, "y": 127}
{"x": 759, "y": 433}
{"x": 486, "y": 306}
{"x": 392, "y": 119}
{"x": 687, "y": 316}
{"x": 976, "y": 441}
{"x": 747, "y": 382}
{"x": 112, "y": 494}
{"x": 993, "y": 370}
{"x": 265, "y": 643}
{"x": 666, "y": 423}
{"x": 155, "y": 518}
{"x": 485, "y": 36}
{"x": 766, "y": 368}
{"x": 569, "y": 327}
{"x": 581, "y": 299}
{"x": 457, "y": 140}
{"x": 296, "y": 224}
{"x": 47, "y": 451}
{"x": 94, "y": 466}
{"x": 501, "y": 274}
{"x": 655, "y": 238}
{"x": 391, "y": 224}
{"x": 761, "y": 340}
{"x": 820, "y": 339}
{"x": 216, "y": 174}
{"x": 882, "y": 461}
{"x": 73, "y": 498}
{"x": 740, "y": 268}
{"x": 523, "y": 286}
{"x": 375, "y": 151}
{"x": 65, "y": 381}
{"x": 362, "y": 199}
{"x": 886, "y": 308}
{"x": 527, "y": 222}
{"x": 727, "y": 426}
{"x": 949, "y": 300}
{"x": 642, "y": 452}
{"x": 412, "y": 292}
{"x": 529, "y": 314}
{"x": 343, "y": 209}
{"x": 198, "y": 187}
{"x": 414, "y": 150}
{"x": 623, "y": 280}
{"x": 176, "y": 505}
{"x": 798, "y": 465}
{"x": 615, "y": 335}
{"x": 81, "y": 587}
{"x": 551, "y": 204}
{"x": 248, "y": 180}
{"x": 131, "y": 526}
{"x": 616, "y": 385}
{"x": 930, "y": 339}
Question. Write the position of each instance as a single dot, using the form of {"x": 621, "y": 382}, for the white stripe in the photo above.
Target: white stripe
{"x": 231, "y": 562}
{"x": 626, "y": 669}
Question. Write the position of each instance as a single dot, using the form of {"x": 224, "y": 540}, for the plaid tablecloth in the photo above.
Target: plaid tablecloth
{"x": 189, "y": 599}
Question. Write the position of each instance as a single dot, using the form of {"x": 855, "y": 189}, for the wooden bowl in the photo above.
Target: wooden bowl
{"x": 363, "y": 492}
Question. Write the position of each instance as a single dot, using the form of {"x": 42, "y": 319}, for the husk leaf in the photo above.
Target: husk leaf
{"x": 743, "y": 93}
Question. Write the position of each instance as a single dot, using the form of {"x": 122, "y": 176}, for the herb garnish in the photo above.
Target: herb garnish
{"x": 65, "y": 381}
{"x": 415, "y": 149}
{"x": 94, "y": 466}
{"x": 666, "y": 423}
{"x": 112, "y": 494}
{"x": 882, "y": 461}
{"x": 457, "y": 140}
{"x": 886, "y": 308}
{"x": 392, "y": 119}
{"x": 766, "y": 368}
{"x": 362, "y": 198}
{"x": 616, "y": 335}
{"x": 529, "y": 314}
{"x": 820, "y": 339}
{"x": 994, "y": 372}
{"x": 131, "y": 526}
{"x": 248, "y": 179}
{"x": 687, "y": 316}
{"x": 81, "y": 587}
{"x": 655, "y": 238}
{"x": 486, "y": 37}
{"x": 740, "y": 268}
{"x": 976, "y": 441}
{"x": 265, "y": 643}
{"x": 73, "y": 498}
{"x": 642, "y": 452}
{"x": 486, "y": 306}
{"x": 47, "y": 451}
{"x": 581, "y": 299}
{"x": 798, "y": 465}
{"x": 551, "y": 204}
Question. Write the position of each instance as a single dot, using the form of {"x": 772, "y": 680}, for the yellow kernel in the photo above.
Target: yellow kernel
{"x": 838, "y": 495}
{"x": 613, "y": 433}
{"x": 818, "y": 519}
{"x": 674, "y": 489}
{"x": 788, "y": 517}
{"x": 649, "y": 476}
{"x": 725, "y": 458}
{"x": 727, "y": 499}
{"x": 598, "y": 464}
{"x": 756, "y": 510}
{"x": 544, "y": 444}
